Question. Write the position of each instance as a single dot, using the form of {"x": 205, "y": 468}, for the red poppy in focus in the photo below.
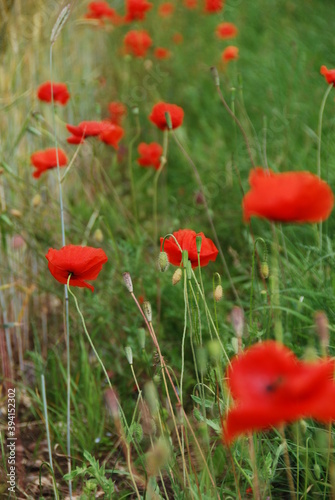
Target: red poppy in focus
{"x": 230, "y": 53}
{"x": 177, "y": 38}
{"x": 226, "y": 30}
{"x": 150, "y": 154}
{"x": 187, "y": 241}
{"x": 162, "y": 53}
{"x": 166, "y": 9}
{"x": 59, "y": 91}
{"x": 117, "y": 111}
{"x": 112, "y": 135}
{"x": 190, "y": 4}
{"x": 213, "y": 6}
{"x": 158, "y": 115}
{"x": 137, "y": 43}
{"x": 100, "y": 10}
{"x": 329, "y": 75}
{"x": 288, "y": 197}
{"x": 271, "y": 386}
{"x": 136, "y": 10}
{"x": 84, "y": 263}
{"x": 47, "y": 159}
{"x": 86, "y": 129}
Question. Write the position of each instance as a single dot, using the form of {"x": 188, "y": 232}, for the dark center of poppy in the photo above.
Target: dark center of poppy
{"x": 274, "y": 385}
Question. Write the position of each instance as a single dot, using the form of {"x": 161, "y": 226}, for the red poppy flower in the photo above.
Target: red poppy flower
{"x": 84, "y": 263}
{"x": 117, "y": 111}
{"x": 59, "y": 91}
{"x": 271, "y": 386}
{"x": 47, "y": 159}
{"x": 289, "y": 197}
{"x": 166, "y": 9}
{"x": 177, "y": 38}
{"x": 158, "y": 115}
{"x": 137, "y": 43}
{"x": 212, "y": 6}
{"x": 230, "y": 53}
{"x": 86, "y": 129}
{"x": 190, "y": 4}
{"x": 187, "y": 241}
{"x": 329, "y": 75}
{"x": 226, "y": 30}
{"x": 161, "y": 53}
{"x": 150, "y": 154}
{"x": 136, "y": 10}
{"x": 112, "y": 135}
{"x": 100, "y": 10}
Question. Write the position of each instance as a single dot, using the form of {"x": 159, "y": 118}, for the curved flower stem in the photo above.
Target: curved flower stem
{"x": 109, "y": 384}
{"x": 130, "y": 166}
{"x": 322, "y": 108}
{"x": 66, "y": 296}
{"x": 252, "y": 277}
{"x": 166, "y": 370}
{"x": 156, "y": 178}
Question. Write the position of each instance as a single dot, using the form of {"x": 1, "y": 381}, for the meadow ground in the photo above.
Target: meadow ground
{"x": 146, "y": 386}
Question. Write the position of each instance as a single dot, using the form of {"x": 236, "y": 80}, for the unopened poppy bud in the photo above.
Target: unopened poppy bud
{"x": 163, "y": 261}
{"x": 128, "y": 282}
{"x": 198, "y": 241}
{"x": 129, "y": 354}
{"x": 218, "y": 293}
{"x": 16, "y": 213}
{"x": 264, "y": 269}
{"x": 147, "y": 310}
{"x": 36, "y": 201}
{"x": 189, "y": 270}
{"x": 322, "y": 328}
{"x": 215, "y": 75}
{"x": 151, "y": 397}
{"x": 157, "y": 379}
{"x": 98, "y": 236}
{"x": 214, "y": 350}
{"x": 141, "y": 337}
{"x": 135, "y": 110}
{"x": 168, "y": 120}
{"x": 177, "y": 275}
{"x": 202, "y": 359}
{"x": 237, "y": 319}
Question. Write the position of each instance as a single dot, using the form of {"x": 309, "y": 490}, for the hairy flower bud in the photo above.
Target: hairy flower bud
{"x": 128, "y": 282}
{"x": 264, "y": 270}
{"x": 177, "y": 275}
{"x": 129, "y": 354}
{"x": 147, "y": 310}
{"x": 218, "y": 293}
{"x": 163, "y": 261}
{"x": 98, "y": 236}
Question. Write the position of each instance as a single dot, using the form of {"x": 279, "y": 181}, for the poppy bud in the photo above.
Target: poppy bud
{"x": 36, "y": 201}
{"x": 237, "y": 319}
{"x": 129, "y": 354}
{"x": 218, "y": 293}
{"x": 151, "y": 397}
{"x": 128, "y": 282}
{"x": 322, "y": 328}
{"x": 98, "y": 236}
{"x": 202, "y": 359}
{"x": 163, "y": 261}
{"x": 215, "y": 75}
{"x": 156, "y": 378}
{"x": 264, "y": 270}
{"x": 16, "y": 213}
{"x": 147, "y": 310}
{"x": 135, "y": 110}
{"x": 177, "y": 275}
{"x": 214, "y": 350}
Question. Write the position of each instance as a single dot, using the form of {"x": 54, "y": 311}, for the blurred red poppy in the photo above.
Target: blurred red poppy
{"x": 117, "y": 111}
{"x": 212, "y": 6}
{"x": 190, "y": 4}
{"x": 136, "y": 10}
{"x": 166, "y": 9}
{"x": 84, "y": 263}
{"x": 158, "y": 115}
{"x": 226, "y": 31}
{"x": 100, "y": 10}
{"x": 271, "y": 386}
{"x": 47, "y": 159}
{"x": 177, "y": 38}
{"x": 86, "y": 129}
{"x": 288, "y": 197}
{"x": 329, "y": 75}
{"x": 150, "y": 154}
{"x": 137, "y": 42}
{"x": 59, "y": 91}
{"x": 162, "y": 53}
{"x": 230, "y": 53}
{"x": 112, "y": 135}
{"x": 187, "y": 241}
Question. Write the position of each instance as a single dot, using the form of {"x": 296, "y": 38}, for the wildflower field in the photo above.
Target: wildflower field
{"x": 167, "y": 272}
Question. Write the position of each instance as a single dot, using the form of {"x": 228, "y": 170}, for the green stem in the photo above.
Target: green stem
{"x": 156, "y": 178}
{"x": 130, "y": 167}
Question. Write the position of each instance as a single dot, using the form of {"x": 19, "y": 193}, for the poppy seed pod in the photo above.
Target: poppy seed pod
{"x": 163, "y": 261}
